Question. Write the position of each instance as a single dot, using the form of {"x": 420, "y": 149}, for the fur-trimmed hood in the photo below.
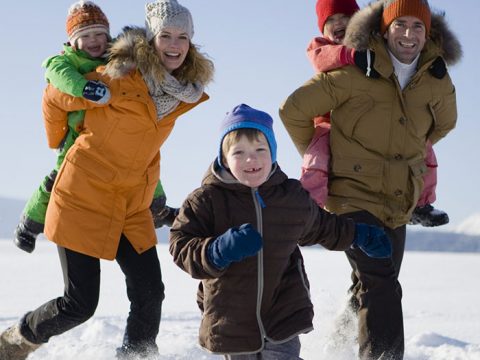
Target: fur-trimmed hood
{"x": 131, "y": 51}
{"x": 366, "y": 22}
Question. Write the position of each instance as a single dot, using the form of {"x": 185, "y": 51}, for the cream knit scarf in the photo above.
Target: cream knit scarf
{"x": 169, "y": 92}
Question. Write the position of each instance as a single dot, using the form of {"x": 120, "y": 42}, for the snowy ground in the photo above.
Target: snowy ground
{"x": 441, "y": 305}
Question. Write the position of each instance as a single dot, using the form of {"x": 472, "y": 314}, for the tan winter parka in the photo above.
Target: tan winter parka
{"x": 378, "y": 132}
{"x": 106, "y": 183}
{"x": 263, "y": 297}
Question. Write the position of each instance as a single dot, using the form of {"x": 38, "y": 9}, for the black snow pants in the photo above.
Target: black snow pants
{"x": 81, "y": 274}
{"x": 377, "y": 295}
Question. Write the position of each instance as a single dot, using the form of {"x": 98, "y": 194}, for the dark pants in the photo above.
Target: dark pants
{"x": 81, "y": 274}
{"x": 377, "y": 295}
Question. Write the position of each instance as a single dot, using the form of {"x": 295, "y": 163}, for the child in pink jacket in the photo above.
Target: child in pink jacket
{"x": 327, "y": 53}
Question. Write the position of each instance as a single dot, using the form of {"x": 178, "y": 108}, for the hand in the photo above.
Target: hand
{"x": 165, "y": 217}
{"x": 365, "y": 59}
{"x": 372, "y": 240}
{"x": 235, "y": 244}
{"x": 96, "y": 92}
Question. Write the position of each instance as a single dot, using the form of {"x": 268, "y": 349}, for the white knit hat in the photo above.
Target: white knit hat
{"x": 165, "y": 13}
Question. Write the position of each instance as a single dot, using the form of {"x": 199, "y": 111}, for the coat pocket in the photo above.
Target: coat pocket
{"x": 360, "y": 173}
{"x": 84, "y": 182}
{"x": 92, "y": 166}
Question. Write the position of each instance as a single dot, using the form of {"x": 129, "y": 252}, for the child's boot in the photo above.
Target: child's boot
{"x": 428, "y": 216}
{"x": 26, "y": 234}
{"x": 14, "y": 346}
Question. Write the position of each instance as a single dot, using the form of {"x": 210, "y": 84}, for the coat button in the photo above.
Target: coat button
{"x": 357, "y": 167}
{"x": 398, "y": 192}
{"x": 398, "y": 157}
{"x": 402, "y": 120}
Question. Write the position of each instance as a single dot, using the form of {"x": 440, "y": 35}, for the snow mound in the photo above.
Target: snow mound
{"x": 470, "y": 226}
{"x": 430, "y": 345}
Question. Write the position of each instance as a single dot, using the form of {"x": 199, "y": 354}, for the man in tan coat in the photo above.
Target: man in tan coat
{"x": 382, "y": 115}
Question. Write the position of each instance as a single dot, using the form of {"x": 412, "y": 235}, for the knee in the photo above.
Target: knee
{"x": 80, "y": 309}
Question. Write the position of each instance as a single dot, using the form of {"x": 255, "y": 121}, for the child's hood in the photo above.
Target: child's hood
{"x": 131, "y": 51}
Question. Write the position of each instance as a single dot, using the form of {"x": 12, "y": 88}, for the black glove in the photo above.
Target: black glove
{"x": 165, "y": 217}
{"x": 361, "y": 58}
{"x": 438, "y": 69}
{"x": 235, "y": 244}
{"x": 96, "y": 92}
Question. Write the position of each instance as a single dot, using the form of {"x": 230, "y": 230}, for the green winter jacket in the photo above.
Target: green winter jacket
{"x": 66, "y": 71}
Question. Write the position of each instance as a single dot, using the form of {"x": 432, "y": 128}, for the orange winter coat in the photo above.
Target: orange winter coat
{"x": 106, "y": 183}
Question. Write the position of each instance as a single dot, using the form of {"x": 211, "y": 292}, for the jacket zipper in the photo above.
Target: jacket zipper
{"x": 259, "y": 204}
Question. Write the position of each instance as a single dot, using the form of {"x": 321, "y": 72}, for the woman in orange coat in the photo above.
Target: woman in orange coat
{"x": 99, "y": 208}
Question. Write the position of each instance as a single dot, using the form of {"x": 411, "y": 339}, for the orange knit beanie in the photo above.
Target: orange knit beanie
{"x": 393, "y": 9}
{"x": 85, "y": 16}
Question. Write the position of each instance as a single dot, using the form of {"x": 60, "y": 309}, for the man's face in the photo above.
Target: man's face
{"x": 406, "y": 37}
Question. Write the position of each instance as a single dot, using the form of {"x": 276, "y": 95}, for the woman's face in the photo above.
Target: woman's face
{"x": 171, "y": 45}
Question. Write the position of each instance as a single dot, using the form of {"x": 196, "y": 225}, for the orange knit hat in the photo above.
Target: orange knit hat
{"x": 393, "y": 9}
{"x": 85, "y": 16}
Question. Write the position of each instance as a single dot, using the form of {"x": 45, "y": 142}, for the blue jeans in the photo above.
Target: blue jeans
{"x": 289, "y": 350}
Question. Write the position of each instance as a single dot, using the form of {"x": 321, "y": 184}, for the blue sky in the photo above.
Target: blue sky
{"x": 258, "y": 48}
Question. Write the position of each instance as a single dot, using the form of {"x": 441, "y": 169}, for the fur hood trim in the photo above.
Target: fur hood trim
{"x": 366, "y": 22}
{"x": 131, "y": 51}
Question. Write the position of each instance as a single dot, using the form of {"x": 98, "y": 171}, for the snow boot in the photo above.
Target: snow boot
{"x": 428, "y": 216}
{"x": 165, "y": 217}
{"x": 126, "y": 352}
{"x": 14, "y": 346}
{"x": 26, "y": 233}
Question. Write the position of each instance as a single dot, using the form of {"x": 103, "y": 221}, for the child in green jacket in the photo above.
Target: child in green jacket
{"x": 88, "y": 33}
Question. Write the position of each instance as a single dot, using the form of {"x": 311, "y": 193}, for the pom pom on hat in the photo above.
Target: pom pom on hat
{"x": 327, "y": 8}
{"x": 393, "y": 9}
{"x": 83, "y": 17}
{"x": 245, "y": 117}
{"x": 165, "y": 13}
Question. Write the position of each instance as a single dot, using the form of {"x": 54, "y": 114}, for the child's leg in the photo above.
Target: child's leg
{"x": 315, "y": 165}
{"x": 36, "y": 206}
{"x": 425, "y": 214}
{"x": 33, "y": 217}
{"x": 428, "y": 195}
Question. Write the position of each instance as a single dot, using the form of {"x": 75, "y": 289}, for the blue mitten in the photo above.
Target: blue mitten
{"x": 235, "y": 244}
{"x": 372, "y": 240}
{"x": 96, "y": 91}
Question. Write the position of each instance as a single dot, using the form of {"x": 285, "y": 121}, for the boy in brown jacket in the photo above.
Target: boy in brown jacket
{"x": 239, "y": 233}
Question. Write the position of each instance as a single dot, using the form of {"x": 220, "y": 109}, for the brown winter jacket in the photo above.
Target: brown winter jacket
{"x": 263, "y": 297}
{"x": 379, "y": 132}
{"x": 106, "y": 183}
